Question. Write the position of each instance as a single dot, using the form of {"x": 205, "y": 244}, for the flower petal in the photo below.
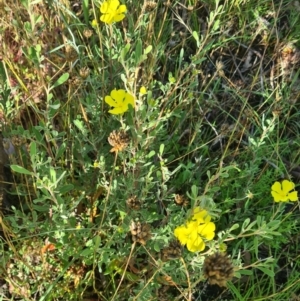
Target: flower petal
{"x": 118, "y": 18}
{"x": 293, "y": 196}
{"x": 200, "y": 215}
{"x": 195, "y": 247}
{"x": 107, "y": 18}
{"x": 113, "y": 4}
{"x": 122, "y": 9}
{"x": 117, "y": 111}
{"x": 104, "y": 7}
{"x": 287, "y": 186}
{"x": 129, "y": 99}
{"x": 192, "y": 226}
{"x": 276, "y": 187}
{"x": 277, "y": 197}
{"x": 111, "y": 102}
{"x": 118, "y": 95}
{"x": 182, "y": 234}
{"x": 207, "y": 231}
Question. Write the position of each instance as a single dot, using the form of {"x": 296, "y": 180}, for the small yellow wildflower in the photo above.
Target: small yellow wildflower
{"x": 112, "y": 11}
{"x": 96, "y": 164}
{"x": 78, "y": 226}
{"x": 94, "y": 23}
{"x": 143, "y": 90}
{"x": 281, "y": 191}
{"x": 120, "y": 100}
{"x": 193, "y": 232}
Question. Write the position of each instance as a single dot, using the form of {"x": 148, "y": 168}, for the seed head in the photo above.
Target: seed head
{"x": 118, "y": 140}
{"x": 140, "y": 232}
{"x": 133, "y": 203}
{"x": 172, "y": 251}
{"x": 218, "y": 269}
{"x": 181, "y": 200}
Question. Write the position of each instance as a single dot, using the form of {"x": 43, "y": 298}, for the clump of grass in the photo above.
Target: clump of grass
{"x": 120, "y": 119}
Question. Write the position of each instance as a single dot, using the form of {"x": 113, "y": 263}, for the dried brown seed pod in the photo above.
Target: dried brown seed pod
{"x": 140, "y": 232}
{"x": 70, "y": 53}
{"x": 18, "y": 140}
{"x": 218, "y": 269}
{"x": 134, "y": 203}
{"x": 181, "y": 200}
{"x": 118, "y": 140}
{"x": 84, "y": 72}
{"x": 75, "y": 81}
{"x": 172, "y": 251}
{"x": 87, "y": 33}
{"x": 149, "y": 6}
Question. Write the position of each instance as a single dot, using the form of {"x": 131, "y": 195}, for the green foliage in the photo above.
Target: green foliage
{"x": 90, "y": 200}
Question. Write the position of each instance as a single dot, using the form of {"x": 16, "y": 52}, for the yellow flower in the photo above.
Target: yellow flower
{"x": 281, "y": 192}
{"x": 78, "y": 226}
{"x": 94, "y": 23}
{"x": 112, "y": 11}
{"x": 119, "y": 99}
{"x": 193, "y": 233}
{"x": 201, "y": 215}
{"x": 96, "y": 164}
{"x": 143, "y": 90}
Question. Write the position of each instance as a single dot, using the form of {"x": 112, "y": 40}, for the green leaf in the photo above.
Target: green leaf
{"x": 255, "y": 244}
{"x": 86, "y": 252}
{"x": 97, "y": 241}
{"x": 52, "y": 174}
{"x": 49, "y": 96}
{"x": 216, "y": 25}
{"x": 161, "y": 149}
{"x": 194, "y": 191}
{"x": 234, "y": 227}
{"x": 138, "y": 52}
{"x": 124, "y": 52}
{"x": 243, "y": 272}
{"x": 245, "y": 223}
{"x": 80, "y": 125}
{"x": 33, "y": 150}
{"x": 123, "y": 78}
{"x": 181, "y": 54}
{"x": 273, "y": 225}
{"x": 132, "y": 277}
{"x": 238, "y": 295}
{"x": 20, "y": 169}
{"x": 40, "y": 208}
{"x": 61, "y": 80}
{"x": 196, "y": 37}
{"x": 266, "y": 271}
{"x": 55, "y": 105}
{"x": 156, "y": 247}
{"x": 151, "y": 154}
{"x": 66, "y": 188}
{"x": 36, "y": 131}
{"x": 86, "y": 14}
{"x": 27, "y": 27}
{"x": 25, "y": 3}
{"x": 61, "y": 151}
{"x": 148, "y": 49}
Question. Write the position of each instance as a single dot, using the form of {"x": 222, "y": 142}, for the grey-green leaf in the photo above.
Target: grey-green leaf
{"x": 20, "y": 169}
{"x": 61, "y": 80}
